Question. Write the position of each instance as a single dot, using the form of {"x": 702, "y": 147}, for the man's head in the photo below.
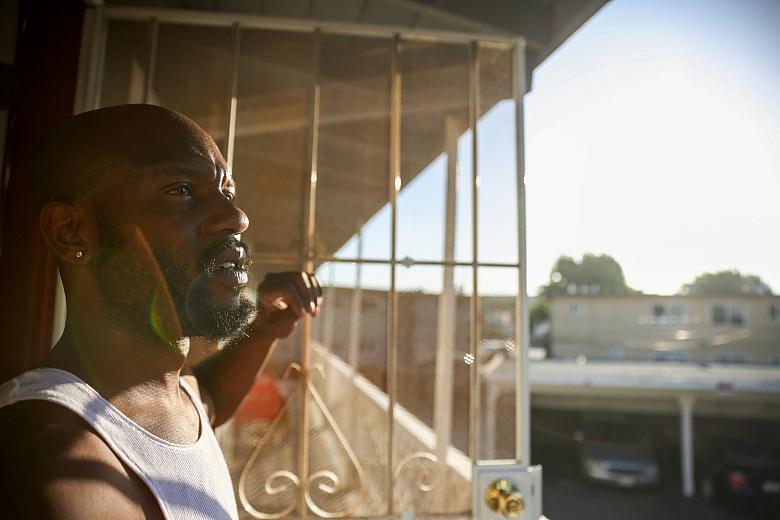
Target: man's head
{"x": 137, "y": 205}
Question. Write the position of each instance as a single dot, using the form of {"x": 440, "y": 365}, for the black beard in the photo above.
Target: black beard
{"x": 128, "y": 283}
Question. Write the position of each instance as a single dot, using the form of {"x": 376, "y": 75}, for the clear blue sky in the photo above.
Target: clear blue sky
{"x": 652, "y": 135}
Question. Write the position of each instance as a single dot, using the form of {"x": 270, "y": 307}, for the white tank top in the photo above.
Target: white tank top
{"x": 189, "y": 482}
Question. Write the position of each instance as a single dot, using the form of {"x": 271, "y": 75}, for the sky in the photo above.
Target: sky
{"x": 652, "y": 135}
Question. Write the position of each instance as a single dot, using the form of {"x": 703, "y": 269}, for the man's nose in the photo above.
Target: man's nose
{"x": 226, "y": 217}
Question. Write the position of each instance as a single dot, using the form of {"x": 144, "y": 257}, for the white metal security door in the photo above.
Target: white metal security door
{"x": 390, "y": 162}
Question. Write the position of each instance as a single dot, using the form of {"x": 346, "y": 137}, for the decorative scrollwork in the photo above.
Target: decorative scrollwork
{"x": 326, "y": 481}
{"x": 429, "y": 478}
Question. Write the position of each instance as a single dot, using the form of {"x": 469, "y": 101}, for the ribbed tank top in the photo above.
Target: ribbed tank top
{"x": 189, "y": 482}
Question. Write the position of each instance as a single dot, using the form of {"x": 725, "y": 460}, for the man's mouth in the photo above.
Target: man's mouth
{"x": 229, "y": 266}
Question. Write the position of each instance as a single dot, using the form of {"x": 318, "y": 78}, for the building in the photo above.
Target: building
{"x": 697, "y": 328}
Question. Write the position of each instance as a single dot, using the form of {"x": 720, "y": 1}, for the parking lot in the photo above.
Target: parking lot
{"x": 568, "y": 495}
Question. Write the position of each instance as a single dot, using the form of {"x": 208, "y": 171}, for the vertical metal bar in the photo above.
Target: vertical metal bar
{"x": 231, "y": 141}
{"x": 522, "y": 381}
{"x": 394, "y": 180}
{"x": 355, "y": 305}
{"x": 88, "y": 61}
{"x": 445, "y": 330}
{"x": 475, "y": 315}
{"x": 101, "y": 58}
{"x": 308, "y": 265}
{"x": 154, "y": 33}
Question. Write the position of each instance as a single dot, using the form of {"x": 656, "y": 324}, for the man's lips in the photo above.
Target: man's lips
{"x": 230, "y": 258}
{"x": 229, "y": 266}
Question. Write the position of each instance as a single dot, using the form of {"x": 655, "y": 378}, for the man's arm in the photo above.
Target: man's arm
{"x": 225, "y": 377}
{"x": 54, "y": 466}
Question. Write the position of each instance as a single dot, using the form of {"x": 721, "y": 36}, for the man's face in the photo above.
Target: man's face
{"x": 170, "y": 259}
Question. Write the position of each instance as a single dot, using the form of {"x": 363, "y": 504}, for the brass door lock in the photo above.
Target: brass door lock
{"x": 503, "y": 497}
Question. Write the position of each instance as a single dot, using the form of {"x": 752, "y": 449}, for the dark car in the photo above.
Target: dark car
{"x": 744, "y": 475}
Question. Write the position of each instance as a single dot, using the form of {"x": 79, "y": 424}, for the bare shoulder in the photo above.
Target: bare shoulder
{"x": 56, "y": 467}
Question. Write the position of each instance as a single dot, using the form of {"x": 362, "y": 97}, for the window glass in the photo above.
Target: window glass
{"x": 434, "y": 212}
{"x": 497, "y": 164}
{"x": 184, "y": 54}
{"x": 125, "y": 71}
{"x": 352, "y": 211}
{"x": 273, "y": 120}
{"x": 432, "y": 365}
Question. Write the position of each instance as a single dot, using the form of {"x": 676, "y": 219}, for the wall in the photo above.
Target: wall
{"x": 624, "y": 327}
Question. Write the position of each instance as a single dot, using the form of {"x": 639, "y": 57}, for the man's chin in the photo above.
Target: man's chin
{"x": 220, "y": 323}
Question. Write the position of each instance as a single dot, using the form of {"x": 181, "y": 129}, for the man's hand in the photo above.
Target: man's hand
{"x": 283, "y": 298}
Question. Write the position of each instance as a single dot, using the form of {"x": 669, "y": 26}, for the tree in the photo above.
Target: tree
{"x": 594, "y": 274}
{"x": 726, "y": 282}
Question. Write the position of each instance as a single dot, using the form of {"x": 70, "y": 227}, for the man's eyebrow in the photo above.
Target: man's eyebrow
{"x": 187, "y": 171}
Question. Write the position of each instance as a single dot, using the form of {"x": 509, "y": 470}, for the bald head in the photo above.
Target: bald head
{"x": 91, "y": 148}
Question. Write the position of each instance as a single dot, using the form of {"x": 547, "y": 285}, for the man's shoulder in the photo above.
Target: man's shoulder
{"x": 56, "y": 466}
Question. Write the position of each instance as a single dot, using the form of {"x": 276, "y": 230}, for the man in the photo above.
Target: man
{"x": 138, "y": 208}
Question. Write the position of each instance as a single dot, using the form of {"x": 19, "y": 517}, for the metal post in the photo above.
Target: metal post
{"x": 154, "y": 30}
{"x": 475, "y": 314}
{"x": 686, "y": 443}
{"x": 231, "y": 141}
{"x": 394, "y": 179}
{"x": 522, "y": 329}
{"x": 445, "y": 336}
{"x": 308, "y": 265}
{"x": 355, "y": 304}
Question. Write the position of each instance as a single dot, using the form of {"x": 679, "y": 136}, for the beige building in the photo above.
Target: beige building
{"x": 728, "y": 328}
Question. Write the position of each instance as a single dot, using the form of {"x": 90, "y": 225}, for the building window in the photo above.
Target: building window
{"x": 664, "y": 355}
{"x": 576, "y": 309}
{"x": 728, "y": 314}
{"x": 731, "y": 357}
{"x": 616, "y": 353}
{"x": 665, "y": 313}
{"x": 774, "y": 313}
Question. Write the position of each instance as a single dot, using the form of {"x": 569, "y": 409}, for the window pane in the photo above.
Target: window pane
{"x": 193, "y": 74}
{"x": 125, "y": 71}
{"x": 349, "y": 342}
{"x": 353, "y": 155}
{"x": 432, "y": 416}
{"x": 434, "y": 201}
{"x": 271, "y": 164}
{"x": 496, "y": 160}
{"x": 497, "y": 362}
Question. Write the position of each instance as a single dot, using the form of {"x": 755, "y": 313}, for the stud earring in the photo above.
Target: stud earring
{"x": 79, "y": 253}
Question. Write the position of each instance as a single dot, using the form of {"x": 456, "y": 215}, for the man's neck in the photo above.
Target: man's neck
{"x": 119, "y": 363}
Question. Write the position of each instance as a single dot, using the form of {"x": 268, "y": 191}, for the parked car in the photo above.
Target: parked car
{"x": 611, "y": 451}
{"x": 744, "y": 474}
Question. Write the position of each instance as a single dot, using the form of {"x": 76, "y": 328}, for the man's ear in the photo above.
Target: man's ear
{"x": 65, "y": 230}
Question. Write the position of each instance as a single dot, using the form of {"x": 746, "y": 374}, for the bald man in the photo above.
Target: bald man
{"x": 138, "y": 208}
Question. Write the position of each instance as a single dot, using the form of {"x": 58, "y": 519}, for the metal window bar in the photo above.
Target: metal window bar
{"x": 475, "y": 315}
{"x": 233, "y": 109}
{"x": 154, "y": 32}
{"x": 394, "y": 184}
{"x": 522, "y": 328}
{"x": 308, "y": 266}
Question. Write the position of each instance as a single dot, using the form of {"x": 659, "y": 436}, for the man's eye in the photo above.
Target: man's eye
{"x": 182, "y": 190}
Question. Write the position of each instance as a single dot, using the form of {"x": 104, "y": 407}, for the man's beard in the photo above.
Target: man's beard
{"x": 131, "y": 286}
